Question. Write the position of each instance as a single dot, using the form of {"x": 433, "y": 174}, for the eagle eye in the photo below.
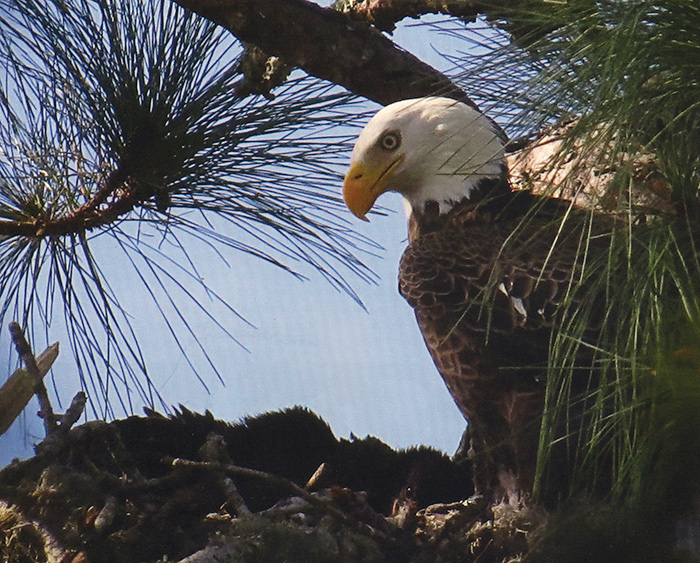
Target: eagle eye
{"x": 390, "y": 141}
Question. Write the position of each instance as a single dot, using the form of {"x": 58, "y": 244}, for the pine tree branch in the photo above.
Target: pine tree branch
{"x": 518, "y": 17}
{"x": 100, "y": 210}
{"x": 329, "y": 45}
{"x": 27, "y": 356}
{"x": 384, "y": 14}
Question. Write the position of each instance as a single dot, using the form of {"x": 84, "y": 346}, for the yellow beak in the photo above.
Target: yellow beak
{"x": 364, "y": 184}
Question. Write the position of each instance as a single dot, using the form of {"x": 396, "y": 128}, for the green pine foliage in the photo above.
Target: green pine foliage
{"x": 622, "y": 77}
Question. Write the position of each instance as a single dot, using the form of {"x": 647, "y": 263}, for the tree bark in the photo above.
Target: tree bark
{"x": 329, "y": 45}
{"x": 384, "y": 14}
{"x": 518, "y": 17}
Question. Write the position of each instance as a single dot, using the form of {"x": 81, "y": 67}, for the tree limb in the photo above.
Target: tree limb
{"x": 329, "y": 45}
{"x": 384, "y": 14}
{"x": 112, "y": 200}
{"x": 523, "y": 19}
{"x": 27, "y": 356}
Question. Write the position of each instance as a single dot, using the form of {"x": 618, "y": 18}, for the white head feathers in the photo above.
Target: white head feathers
{"x": 427, "y": 149}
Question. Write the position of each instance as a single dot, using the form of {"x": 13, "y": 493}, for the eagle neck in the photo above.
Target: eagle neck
{"x": 432, "y": 215}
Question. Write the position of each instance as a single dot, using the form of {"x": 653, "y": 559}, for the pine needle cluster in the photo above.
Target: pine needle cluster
{"x": 125, "y": 146}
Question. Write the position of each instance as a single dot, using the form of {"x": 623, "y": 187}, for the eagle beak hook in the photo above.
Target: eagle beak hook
{"x": 357, "y": 191}
{"x": 362, "y": 186}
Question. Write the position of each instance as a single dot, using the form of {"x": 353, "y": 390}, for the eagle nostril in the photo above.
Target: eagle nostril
{"x": 357, "y": 176}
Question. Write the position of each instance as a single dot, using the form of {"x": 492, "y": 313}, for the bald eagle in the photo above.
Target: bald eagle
{"x": 486, "y": 270}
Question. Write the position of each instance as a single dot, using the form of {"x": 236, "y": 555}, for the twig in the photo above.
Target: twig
{"x": 234, "y": 498}
{"x": 245, "y": 472}
{"x": 358, "y": 525}
{"x": 483, "y": 551}
{"x": 316, "y": 477}
{"x": 215, "y": 450}
{"x": 513, "y": 16}
{"x": 27, "y": 356}
{"x": 74, "y": 412}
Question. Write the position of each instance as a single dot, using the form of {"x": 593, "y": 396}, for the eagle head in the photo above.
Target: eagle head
{"x": 427, "y": 149}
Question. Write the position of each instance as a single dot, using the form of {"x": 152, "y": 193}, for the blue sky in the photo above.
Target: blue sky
{"x": 365, "y": 372}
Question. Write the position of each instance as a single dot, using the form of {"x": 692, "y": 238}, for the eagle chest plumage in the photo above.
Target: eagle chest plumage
{"x": 485, "y": 281}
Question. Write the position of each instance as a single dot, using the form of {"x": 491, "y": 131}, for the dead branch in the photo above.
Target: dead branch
{"x": 74, "y": 411}
{"x": 270, "y": 478}
{"x": 27, "y": 356}
{"x": 18, "y": 390}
